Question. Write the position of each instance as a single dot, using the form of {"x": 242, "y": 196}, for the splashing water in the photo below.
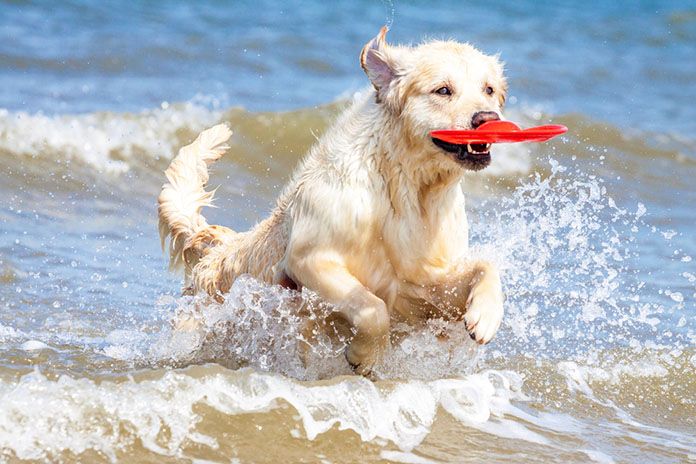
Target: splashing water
{"x": 570, "y": 273}
{"x": 391, "y": 10}
{"x": 571, "y": 268}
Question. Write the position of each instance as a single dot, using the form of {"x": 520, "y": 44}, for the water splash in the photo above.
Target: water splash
{"x": 390, "y": 9}
{"x": 571, "y": 275}
{"x": 571, "y": 267}
{"x": 277, "y": 330}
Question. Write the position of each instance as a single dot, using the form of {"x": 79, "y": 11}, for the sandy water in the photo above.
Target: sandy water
{"x": 595, "y": 360}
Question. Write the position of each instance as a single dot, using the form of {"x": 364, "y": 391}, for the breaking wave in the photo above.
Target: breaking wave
{"x": 115, "y": 143}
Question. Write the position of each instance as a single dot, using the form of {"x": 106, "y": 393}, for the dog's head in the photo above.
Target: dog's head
{"x": 436, "y": 85}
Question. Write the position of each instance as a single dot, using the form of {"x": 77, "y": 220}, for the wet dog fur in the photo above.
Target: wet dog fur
{"x": 373, "y": 219}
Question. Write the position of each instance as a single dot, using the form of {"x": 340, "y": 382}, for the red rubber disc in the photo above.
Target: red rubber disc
{"x": 500, "y": 132}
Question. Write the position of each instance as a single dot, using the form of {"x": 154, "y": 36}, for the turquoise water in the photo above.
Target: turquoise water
{"x": 594, "y": 234}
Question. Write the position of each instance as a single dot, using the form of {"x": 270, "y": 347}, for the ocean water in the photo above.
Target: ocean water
{"x": 593, "y": 232}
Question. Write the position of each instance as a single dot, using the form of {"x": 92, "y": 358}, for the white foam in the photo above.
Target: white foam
{"x": 8, "y": 333}
{"x": 78, "y": 414}
{"x": 94, "y": 138}
{"x": 580, "y": 377}
{"x": 33, "y": 345}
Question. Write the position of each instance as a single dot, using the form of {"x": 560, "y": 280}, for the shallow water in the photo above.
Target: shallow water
{"x": 595, "y": 360}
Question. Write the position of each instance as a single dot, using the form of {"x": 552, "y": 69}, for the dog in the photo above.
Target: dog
{"x": 373, "y": 219}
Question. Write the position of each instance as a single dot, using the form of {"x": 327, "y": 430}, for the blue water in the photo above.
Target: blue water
{"x": 627, "y": 63}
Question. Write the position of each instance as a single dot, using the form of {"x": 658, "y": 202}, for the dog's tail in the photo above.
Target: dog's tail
{"x": 182, "y": 199}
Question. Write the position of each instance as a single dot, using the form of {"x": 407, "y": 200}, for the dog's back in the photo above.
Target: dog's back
{"x": 213, "y": 256}
{"x": 256, "y": 252}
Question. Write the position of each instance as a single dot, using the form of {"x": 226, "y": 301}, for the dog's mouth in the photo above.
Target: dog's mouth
{"x": 472, "y": 155}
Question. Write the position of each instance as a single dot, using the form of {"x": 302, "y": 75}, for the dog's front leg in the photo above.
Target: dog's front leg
{"x": 366, "y": 313}
{"x": 476, "y": 289}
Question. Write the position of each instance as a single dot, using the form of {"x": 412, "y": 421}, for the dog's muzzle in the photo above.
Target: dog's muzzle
{"x": 464, "y": 152}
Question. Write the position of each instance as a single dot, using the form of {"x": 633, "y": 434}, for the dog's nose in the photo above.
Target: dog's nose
{"x": 483, "y": 116}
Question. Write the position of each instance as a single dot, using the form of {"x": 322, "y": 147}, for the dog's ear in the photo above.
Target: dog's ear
{"x": 376, "y": 61}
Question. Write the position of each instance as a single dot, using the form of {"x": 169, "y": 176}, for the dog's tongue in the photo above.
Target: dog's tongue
{"x": 499, "y": 132}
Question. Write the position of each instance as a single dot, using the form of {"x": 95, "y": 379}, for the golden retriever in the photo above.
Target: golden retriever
{"x": 373, "y": 219}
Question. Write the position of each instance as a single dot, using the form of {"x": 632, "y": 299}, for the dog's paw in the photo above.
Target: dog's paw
{"x": 361, "y": 365}
{"x": 484, "y": 313}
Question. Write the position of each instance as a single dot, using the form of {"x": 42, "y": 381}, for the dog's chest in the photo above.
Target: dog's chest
{"x": 423, "y": 250}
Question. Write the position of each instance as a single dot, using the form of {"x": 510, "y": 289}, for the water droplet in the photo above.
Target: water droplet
{"x": 641, "y": 210}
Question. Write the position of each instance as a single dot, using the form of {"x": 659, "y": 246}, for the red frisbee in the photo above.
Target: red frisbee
{"x": 499, "y": 132}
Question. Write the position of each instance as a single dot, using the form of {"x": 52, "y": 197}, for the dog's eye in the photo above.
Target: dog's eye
{"x": 444, "y": 91}
{"x": 489, "y": 90}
